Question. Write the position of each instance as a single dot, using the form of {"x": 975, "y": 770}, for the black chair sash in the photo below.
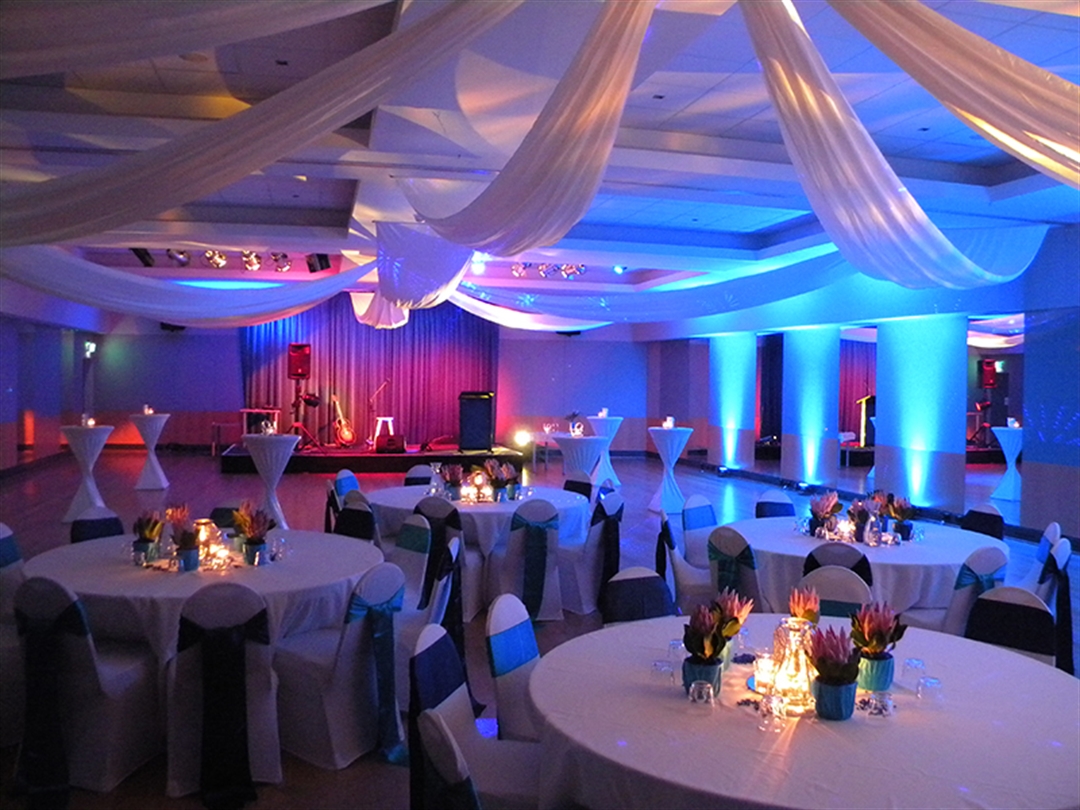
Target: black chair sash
{"x": 664, "y": 541}
{"x": 434, "y": 675}
{"x": 380, "y": 628}
{"x": 330, "y": 512}
{"x": 628, "y": 600}
{"x": 536, "y": 553}
{"x": 580, "y": 487}
{"x": 93, "y": 528}
{"x": 1020, "y": 627}
{"x": 358, "y": 523}
{"x": 1063, "y": 613}
{"x": 984, "y": 523}
{"x": 225, "y": 770}
{"x": 42, "y": 765}
{"x": 861, "y": 567}
{"x": 767, "y": 509}
{"x": 610, "y": 543}
{"x": 439, "y": 562}
{"x": 223, "y": 517}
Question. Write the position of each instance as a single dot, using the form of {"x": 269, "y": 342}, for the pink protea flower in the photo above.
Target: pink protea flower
{"x": 825, "y": 506}
{"x": 733, "y": 609}
{"x": 876, "y": 628}
{"x": 834, "y": 657}
{"x": 805, "y": 604}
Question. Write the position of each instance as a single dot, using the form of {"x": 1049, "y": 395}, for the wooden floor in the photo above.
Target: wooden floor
{"x": 33, "y": 502}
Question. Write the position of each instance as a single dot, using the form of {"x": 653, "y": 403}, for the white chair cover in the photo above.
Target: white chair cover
{"x": 508, "y": 564}
{"x": 221, "y": 604}
{"x": 512, "y": 653}
{"x": 728, "y": 548}
{"x": 698, "y": 521}
{"x": 1051, "y": 536}
{"x": 982, "y": 570}
{"x": 473, "y": 565}
{"x": 581, "y": 565}
{"x": 410, "y": 553}
{"x": 841, "y": 591}
{"x": 774, "y": 503}
{"x": 107, "y": 693}
{"x": 693, "y": 586}
{"x": 12, "y": 696}
{"x": 327, "y": 697}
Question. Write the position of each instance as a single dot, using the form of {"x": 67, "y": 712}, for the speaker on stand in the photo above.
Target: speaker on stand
{"x": 476, "y": 420}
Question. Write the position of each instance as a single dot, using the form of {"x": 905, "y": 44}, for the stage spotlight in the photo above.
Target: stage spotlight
{"x": 619, "y": 269}
{"x": 215, "y": 259}
{"x": 252, "y": 260}
{"x": 143, "y": 255}
{"x": 281, "y": 262}
{"x": 181, "y": 258}
{"x": 311, "y": 400}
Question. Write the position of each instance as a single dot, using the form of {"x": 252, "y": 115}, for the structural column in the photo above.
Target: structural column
{"x": 920, "y": 448}
{"x": 732, "y": 420}
{"x": 809, "y": 445}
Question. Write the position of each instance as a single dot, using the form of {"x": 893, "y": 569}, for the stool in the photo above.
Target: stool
{"x": 384, "y": 420}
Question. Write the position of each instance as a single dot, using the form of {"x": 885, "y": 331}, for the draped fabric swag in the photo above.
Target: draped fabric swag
{"x": 1025, "y": 110}
{"x": 862, "y": 204}
{"x": 550, "y": 181}
{"x": 208, "y": 159}
{"x": 428, "y": 363}
{"x": 56, "y": 36}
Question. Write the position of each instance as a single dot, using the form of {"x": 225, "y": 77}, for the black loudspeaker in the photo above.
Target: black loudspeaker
{"x": 385, "y": 443}
{"x": 987, "y": 374}
{"x": 317, "y": 262}
{"x": 476, "y": 411}
{"x": 299, "y": 361}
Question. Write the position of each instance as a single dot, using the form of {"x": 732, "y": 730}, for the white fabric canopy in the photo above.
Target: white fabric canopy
{"x": 1021, "y": 108}
{"x": 56, "y": 36}
{"x": 55, "y": 272}
{"x": 417, "y": 269}
{"x": 1070, "y": 8}
{"x": 517, "y": 319}
{"x": 194, "y": 165}
{"x": 862, "y": 204}
{"x": 550, "y": 181}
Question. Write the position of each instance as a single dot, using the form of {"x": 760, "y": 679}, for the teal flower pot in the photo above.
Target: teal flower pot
{"x": 903, "y": 529}
{"x": 144, "y": 551}
{"x": 711, "y": 673}
{"x": 876, "y": 674}
{"x": 834, "y": 701}
{"x": 251, "y": 552}
{"x": 455, "y": 493}
{"x": 188, "y": 559}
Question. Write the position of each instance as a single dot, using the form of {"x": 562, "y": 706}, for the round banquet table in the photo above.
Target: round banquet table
{"x": 606, "y": 426}
{"x": 909, "y": 575}
{"x": 150, "y": 426}
{"x": 86, "y": 444}
{"x": 485, "y": 524}
{"x": 615, "y": 735}
{"x": 308, "y": 589}
{"x": 581, "y": 454}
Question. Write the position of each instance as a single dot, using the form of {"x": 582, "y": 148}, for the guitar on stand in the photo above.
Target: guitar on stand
{"x": 343, "y": 431}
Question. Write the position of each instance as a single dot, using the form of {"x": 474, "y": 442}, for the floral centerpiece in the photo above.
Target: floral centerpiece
{"x": 875, "y": 630}
{"x": 903, "y": 513}
{"x": 453, "y": 475}
{"x": 147, "y": 529}
{"x": 252, "y": 524}
{"x": 510, "y": 475}
{"x": 805, "y": 604}
{"x": 184, "y": 536}
{"x": 823, "y": 512}
{"x": 707, "y": 635}
{"x": 837, "y": 663}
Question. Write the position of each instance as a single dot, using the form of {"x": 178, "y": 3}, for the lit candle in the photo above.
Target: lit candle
{"x": 147, "y": 410}
{"x": 603, "y": 412}
{"x": 669, "y": 422}
{"x": 764, "y": 672}
{"x": 90, "y": 421}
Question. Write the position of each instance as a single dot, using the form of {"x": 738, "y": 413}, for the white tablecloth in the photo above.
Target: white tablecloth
{"x": 669, "y": 444}
{"x": 615, "y": 736}
{"x": 309, "y": 589}
{"x": 581, "y": 454}
{"x": 270, "y": 453}
{"x": 86, "y": 444}
{"x": 907, "y": 575}
{"x": 485, "y": 524}
{"x": 1011, "y": 441}
{"x": 606, "y": 426}
{"x": 150, "y": 426}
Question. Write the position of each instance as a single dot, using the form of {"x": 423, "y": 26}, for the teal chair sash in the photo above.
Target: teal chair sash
{"x": 982, "y": 582}
{"x": 836, "y": 607}
{"x": 512, "y": 648}
{"x": 414, "y": 538}
{"x": 727, "y": 566}
{"x": 536, "y": 551}
{"x": 380, "y": 618}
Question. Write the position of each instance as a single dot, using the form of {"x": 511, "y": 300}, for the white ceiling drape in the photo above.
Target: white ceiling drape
{"x": 550, "y": 181}
{"x": 1021, "y": 108}
{"x": 194, "y": 165}
{"x": 863, "y": 206}
{"x": 57, "y": 36}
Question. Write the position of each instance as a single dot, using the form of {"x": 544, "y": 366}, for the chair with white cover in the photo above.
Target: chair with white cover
{"x": 1054, "y": 589}
{"x": 336, "y": 692}
{"x": 733, "y": 565}
{"x": 356, "y": 519}
{"x": 504, "y": 772}
{"x": 527, "y": 565}
{"x": 693, "y": 586}
{"x": 1015, "y": 618}
{"x": 840, "y": 590}
{"x": 445, "y": 521}
{"x": 12, "y": 683}
{"x": 636, "y": 593}
{"x": 984, "y": 519}
{"x": 983, "y": 570}
{"x": 698, "y": 522}
{"x": 580, "y": 483}
{"x": 1051, "y": 537}
{"x": 344, "y": 482}
{"x": 843, "y": 554}
{"x": 419, "y": 475}
{"x": 221, "y": 690}
{"x": 410, "y": 553}
{"x": 512, "y": 653}
{"x": 94, "y": 522}
{"x": 449, "y": 784}
{"x": 584, "y": 568}
{"x": 774, "y": 503}
{"x": 92, "y": 709}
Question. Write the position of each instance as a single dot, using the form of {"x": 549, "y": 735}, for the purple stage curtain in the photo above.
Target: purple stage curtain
{"x": 427, "y": 363}
{"x": 858, "y": 370}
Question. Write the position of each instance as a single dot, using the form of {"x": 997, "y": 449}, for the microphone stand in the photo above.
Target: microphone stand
{"x": 371, "y": 411}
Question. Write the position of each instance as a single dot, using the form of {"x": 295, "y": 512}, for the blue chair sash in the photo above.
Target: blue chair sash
{"x": 358, "y": 523}
{"x": 9, "y": 551}
{"x": 434, "y": 675}
{"x": 225, "y": 771}
{"x": 981, "y": 582}
{"x": 380, "y": 627}
{"x": 1063, "y": 612}
{"x": 767, "y": 509}
{"x": 512, "y": 648}
{"x": 610, "y": 543}
{"x": 836, "y": 607}
{"x": 628, "y": 600}
{"x": 727, "y": 566}
{"x": 698, "y": 517}
{"x": 42, "y": 759}
{"x": 93, "y": 528}
{"x": 536, "y": 551}
{"x": 344, "y": 485}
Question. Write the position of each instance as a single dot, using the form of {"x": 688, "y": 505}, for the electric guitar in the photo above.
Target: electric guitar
{"x": 343, "y": 431}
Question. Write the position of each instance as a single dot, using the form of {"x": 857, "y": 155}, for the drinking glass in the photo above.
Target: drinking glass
{"x": 663, "y": 672}
{"x": 676, "y": 652}
{"x": 930, "y": 693}
{"x": 771, "y": 715}
{"x": 701, "y": 693}
{"x": 912, "y": 671}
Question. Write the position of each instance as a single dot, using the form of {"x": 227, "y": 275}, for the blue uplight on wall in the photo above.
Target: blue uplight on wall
{"x": 811, "y": 402}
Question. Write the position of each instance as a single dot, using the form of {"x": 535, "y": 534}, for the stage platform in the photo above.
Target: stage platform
{"x": 362, "y": 460}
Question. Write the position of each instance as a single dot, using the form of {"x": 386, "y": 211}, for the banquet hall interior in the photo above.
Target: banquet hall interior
{"x": 794, "y": 245}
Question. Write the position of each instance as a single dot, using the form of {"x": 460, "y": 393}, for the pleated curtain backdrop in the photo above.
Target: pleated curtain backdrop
{"x": 427, "y": 364}
{"x": 858, "y": 379}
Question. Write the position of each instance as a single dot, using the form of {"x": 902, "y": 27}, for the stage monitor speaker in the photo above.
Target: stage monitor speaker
{"x": 317, "y": 262}
{"x": 476, "y": 411}
{"x": 987, "y": 374}
{"x": 299, "y": 361}
{"x": 386, "y": 443}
